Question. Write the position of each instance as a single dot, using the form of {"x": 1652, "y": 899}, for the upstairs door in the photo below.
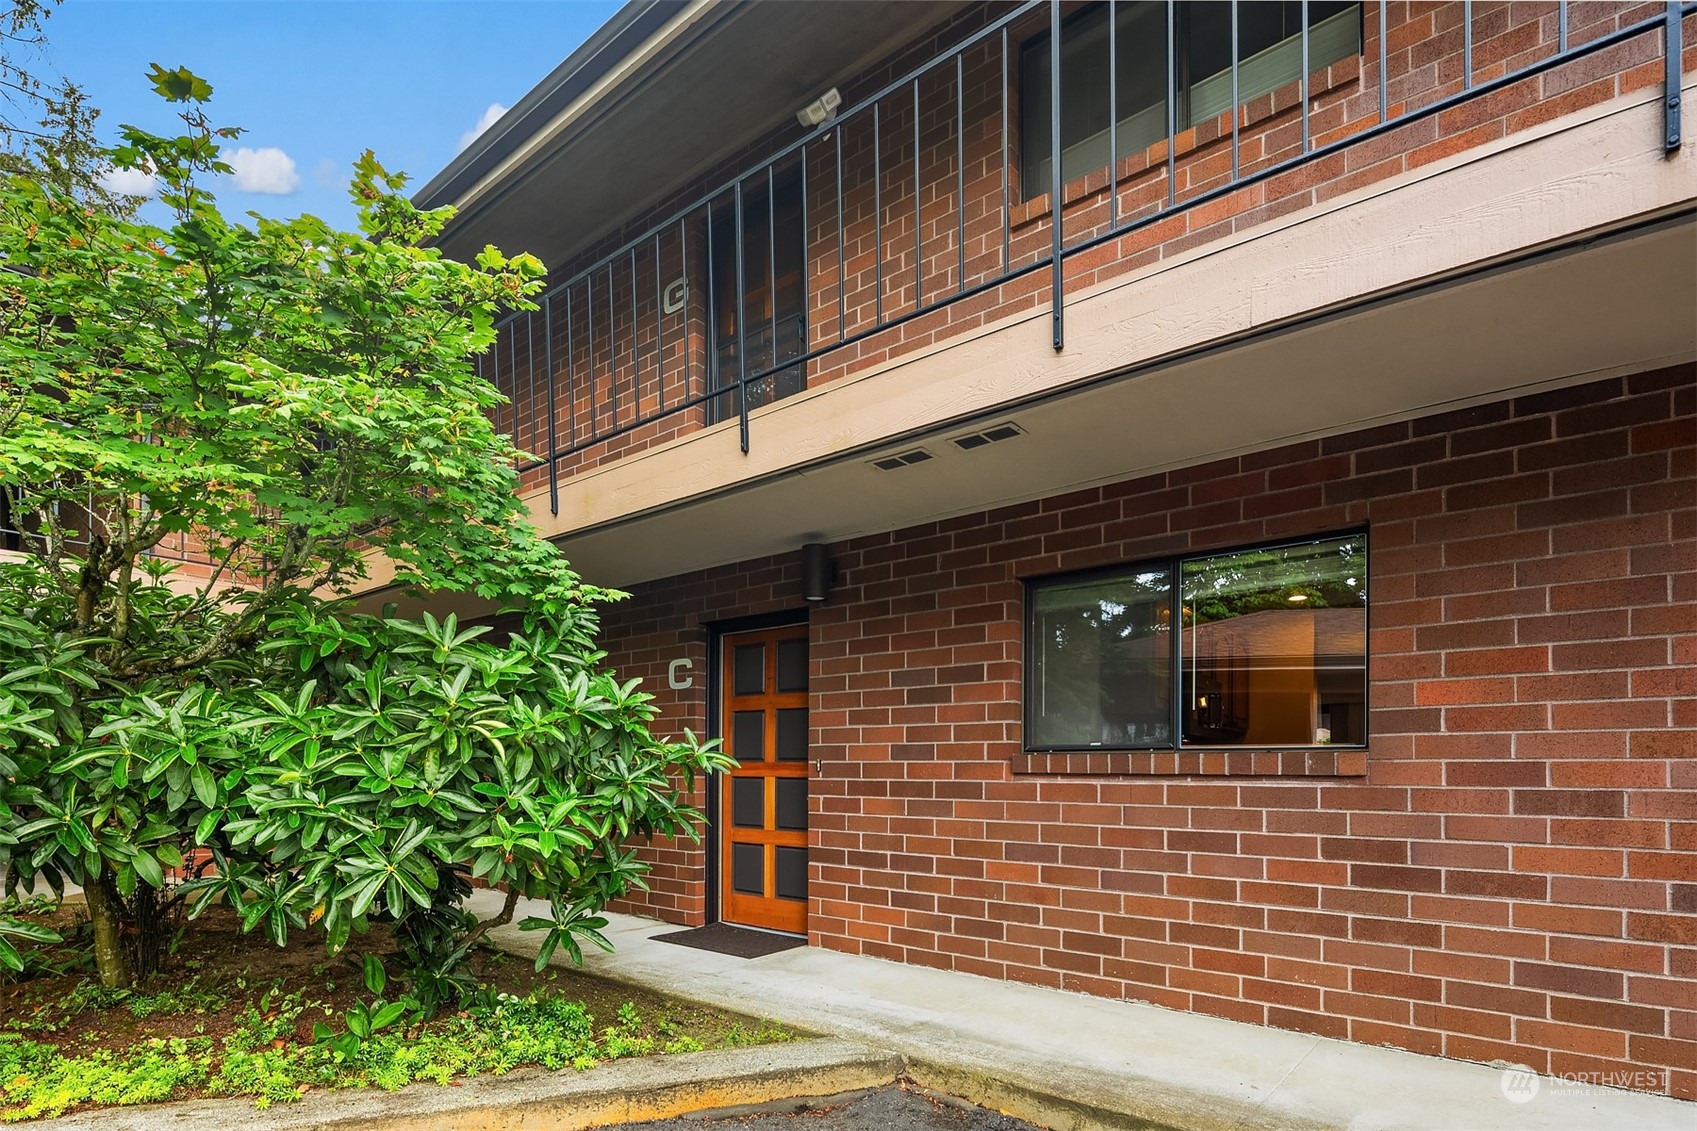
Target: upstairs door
{"x": 773, "y": 325}
{"x": 763, "y": 807}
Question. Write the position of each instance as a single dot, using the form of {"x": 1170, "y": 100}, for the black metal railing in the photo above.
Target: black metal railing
{"x": 658, "y": 327}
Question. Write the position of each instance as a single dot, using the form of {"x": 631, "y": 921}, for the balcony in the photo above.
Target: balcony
{"x": 916, "y": 214}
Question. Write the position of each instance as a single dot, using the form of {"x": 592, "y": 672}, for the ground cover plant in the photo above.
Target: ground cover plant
{"x": 264, "y": 1024}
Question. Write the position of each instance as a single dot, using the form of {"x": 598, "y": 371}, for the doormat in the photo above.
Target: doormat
{"x": 722, "y": 938}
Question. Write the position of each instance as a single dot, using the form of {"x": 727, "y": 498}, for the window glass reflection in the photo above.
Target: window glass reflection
{"x": 1274, "y": 646}
{"x": 1104, "y": 666}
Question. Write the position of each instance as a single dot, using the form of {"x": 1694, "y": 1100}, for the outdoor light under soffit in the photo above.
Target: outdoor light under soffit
{"x": 818, "y": 571}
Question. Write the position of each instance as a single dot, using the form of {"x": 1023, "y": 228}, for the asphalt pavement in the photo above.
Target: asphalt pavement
{"x": 887, "y": 1109}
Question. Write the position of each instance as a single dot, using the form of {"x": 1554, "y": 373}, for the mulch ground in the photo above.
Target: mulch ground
{"x": 221, "y": 970}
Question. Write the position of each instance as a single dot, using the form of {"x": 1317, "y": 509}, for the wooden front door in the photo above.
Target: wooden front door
{"x": 763, "y": 806}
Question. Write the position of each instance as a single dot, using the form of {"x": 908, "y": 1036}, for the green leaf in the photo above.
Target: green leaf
{"x": 388, "y": 1015}
{"x": 205, "y": 785}
{"x": 414, "y": 889}
{"x": 203, "y": 831}
{"x": 363, "y": 894}
{"x": 24, "y": 929}
{"x": 549, "y": 945}
{"x": 179, "y": 85}
{"x": 148, "y": 869}
{"x": 336, "y": 928}
{"x": 376, "y": 977}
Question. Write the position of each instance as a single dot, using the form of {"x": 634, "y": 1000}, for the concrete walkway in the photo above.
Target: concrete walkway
{"x": 1104, "y": 1063}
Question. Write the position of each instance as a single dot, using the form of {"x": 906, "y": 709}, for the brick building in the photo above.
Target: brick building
{"x": 1186, "y": 502}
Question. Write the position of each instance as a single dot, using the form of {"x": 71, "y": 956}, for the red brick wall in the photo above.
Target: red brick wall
{"x": 1424, "y": 62}
{"x": 1514, "y": 875}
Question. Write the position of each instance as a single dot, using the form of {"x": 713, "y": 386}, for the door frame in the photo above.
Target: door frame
{"x": 716, "y": 633}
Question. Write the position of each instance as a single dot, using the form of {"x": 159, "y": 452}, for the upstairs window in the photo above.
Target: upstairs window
{"x": 1269, "y": 56}
{"x": 1259, "y": 647}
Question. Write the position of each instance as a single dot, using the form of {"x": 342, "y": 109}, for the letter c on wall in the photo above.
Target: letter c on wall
{"x": 679, "y": 682}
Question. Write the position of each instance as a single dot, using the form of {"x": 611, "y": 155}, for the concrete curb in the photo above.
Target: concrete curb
{"x": 1024, "y": 1100}
{"x": 624, "y": 1091}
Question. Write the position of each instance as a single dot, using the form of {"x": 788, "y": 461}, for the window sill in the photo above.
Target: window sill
{"x": 1344, "y": 762}
{"x": 1255, "y": 113}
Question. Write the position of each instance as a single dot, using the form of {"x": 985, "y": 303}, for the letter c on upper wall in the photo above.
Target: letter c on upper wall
{"x": 676, "y": 681}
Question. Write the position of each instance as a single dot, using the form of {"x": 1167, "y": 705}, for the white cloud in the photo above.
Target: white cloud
{"x": 488, "y": 119}
{"x": 129, "y": 182}
{"x": 267, "y": 170}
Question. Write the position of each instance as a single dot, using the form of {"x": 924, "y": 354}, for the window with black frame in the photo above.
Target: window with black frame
{"x": 1268, "y": 647}
{"x": 1269, "y": 55}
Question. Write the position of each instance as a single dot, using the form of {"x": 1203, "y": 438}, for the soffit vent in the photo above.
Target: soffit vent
{"x": 903, "y": 459}
{"x": 1005, "y": 431}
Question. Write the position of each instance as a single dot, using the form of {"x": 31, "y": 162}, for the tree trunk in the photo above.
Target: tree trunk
{"x": 152, "y": 917}
{"x": 106, "y": 910}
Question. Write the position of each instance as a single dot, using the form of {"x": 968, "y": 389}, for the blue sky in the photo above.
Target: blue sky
{"x": 319, "y": 80}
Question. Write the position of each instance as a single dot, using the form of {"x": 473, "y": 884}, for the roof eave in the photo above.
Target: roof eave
{"x": 611, "y": 43}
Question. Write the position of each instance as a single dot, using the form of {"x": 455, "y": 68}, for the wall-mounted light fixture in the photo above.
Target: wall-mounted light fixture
{"x": 818, "y": 571}
{"x": 821, "y": 109}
